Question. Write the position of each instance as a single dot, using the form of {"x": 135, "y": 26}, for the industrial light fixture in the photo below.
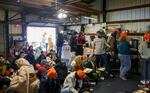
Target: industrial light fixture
{"x": 62, "y": 14}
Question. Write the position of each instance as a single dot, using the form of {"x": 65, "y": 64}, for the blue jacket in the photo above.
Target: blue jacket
{"x": 124, "y": 48}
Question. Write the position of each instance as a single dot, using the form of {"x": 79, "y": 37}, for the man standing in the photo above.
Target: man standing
{"x": 60, "y": 41}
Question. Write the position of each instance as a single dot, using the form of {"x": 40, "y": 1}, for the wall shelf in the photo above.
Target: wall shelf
{"x": 15, "y": 34}
{"x": 136, "y": 34}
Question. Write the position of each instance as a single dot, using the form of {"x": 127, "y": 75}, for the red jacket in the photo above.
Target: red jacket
{"x": 81, "y": 39}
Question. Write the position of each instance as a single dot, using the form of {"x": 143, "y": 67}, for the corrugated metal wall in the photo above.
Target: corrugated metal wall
{"x": 2, "y": 39}
{"x": 2, "y": 33}
{"x": 114, "y": 4}
{"x": 131, "y": 14}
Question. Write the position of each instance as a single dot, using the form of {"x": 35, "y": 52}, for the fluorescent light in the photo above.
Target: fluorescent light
{"x": 90, "y": 18}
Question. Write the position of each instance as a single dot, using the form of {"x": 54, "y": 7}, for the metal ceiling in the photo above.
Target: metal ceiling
{"x": 49, "y": 8}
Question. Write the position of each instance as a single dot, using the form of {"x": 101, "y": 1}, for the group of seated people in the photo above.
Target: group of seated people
{"x": 48, "y": 74}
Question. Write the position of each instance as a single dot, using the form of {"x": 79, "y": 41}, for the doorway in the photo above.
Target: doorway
{"x": 44, "y": 37}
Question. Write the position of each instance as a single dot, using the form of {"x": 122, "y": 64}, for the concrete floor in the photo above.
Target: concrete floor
{"x": 116, "y": 85}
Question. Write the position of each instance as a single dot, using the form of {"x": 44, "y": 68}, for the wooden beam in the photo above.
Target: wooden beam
{"x": 128, "y": 21}
{"x": 80, "y": 10}
{"x": 104, "y": 11}
{"x": 128, "y": 8}
{"x": 90, "y": 10}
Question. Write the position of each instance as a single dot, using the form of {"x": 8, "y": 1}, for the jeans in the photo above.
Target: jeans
{"x": 102, "y": 61}
{"x": 125, "y": 64}
{"x": 59, "y": 49}
{"x": 145, "y": 68}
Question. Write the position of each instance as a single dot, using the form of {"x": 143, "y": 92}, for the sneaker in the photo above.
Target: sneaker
{"x": 123, "y": 78}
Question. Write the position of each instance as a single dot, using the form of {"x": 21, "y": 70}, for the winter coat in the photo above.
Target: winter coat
{"x": 25, "y": 81}
{"x": 70, "y": 83}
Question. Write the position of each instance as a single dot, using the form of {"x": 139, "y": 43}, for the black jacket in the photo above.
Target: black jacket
{"x": 50, "y": 86}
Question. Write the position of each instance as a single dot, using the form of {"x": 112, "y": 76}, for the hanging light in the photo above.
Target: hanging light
{"x": 62, "y": 15}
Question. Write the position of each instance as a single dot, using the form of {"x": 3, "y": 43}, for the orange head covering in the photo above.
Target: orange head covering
{"x": 123, "y": 34}
{"x": 147, "y": 36}
{"x": 80, "y": 74}
{"x": 37, "y": 66}
{"x": 52, "y": 73}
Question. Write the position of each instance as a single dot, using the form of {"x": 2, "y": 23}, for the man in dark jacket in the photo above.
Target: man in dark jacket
{"x": 50, "y": 83}
{"x": 60, "y": 41}
{"x": 73, "y": 42}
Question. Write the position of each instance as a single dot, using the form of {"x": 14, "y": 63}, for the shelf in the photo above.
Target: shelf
{"x": 136, "y": 34}
{"x": 15, "y": 34}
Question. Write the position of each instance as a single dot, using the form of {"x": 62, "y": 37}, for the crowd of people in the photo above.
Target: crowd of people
{"x": 21, "y": 72}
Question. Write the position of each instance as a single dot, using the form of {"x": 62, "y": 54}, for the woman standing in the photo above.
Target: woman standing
{"x": 100, "y": 45}
{"x": 80, "y": 43}
{"x": 124, "y": 55}
{"x": 144, "y": 50}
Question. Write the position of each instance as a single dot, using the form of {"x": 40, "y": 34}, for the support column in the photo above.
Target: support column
{"x": 7, "y": 32}
{"x": 104, "y": 11}
{"x": 24, "y": 26}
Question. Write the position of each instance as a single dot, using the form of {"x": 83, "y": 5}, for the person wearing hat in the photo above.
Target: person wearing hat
{"x": 73, "y": 82}
{"x": 90, "y": 68}
{"x": 100, "y": 45}
{"x": 50, "y": 84}
{"x": 144, "y": 51}
{"x": 124, "y": 55}
{"x": 42, "y": 68}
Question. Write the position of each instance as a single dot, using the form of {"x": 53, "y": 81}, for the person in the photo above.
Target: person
{"x": 4, "y": 65}
{"x": 30, "y": 55}
{"x": 4, "y": 72}
{"x": 59, "y": 43}
{"x": 101, "y": 57}
{"x": 144, "y": 50}
{"x": 124, "y": 55}
{"x": 113, "y": 42}
{"x": 50, "y": 84}
{"x": 50, "y": 43}
{"x": 42, "y": 69}
{"x": 73, "y": 42}
{"x": 91, "y": 65}
{"x": 41, "y": 57}
{"x": 62, "y": 71}
{"x": 25, "y": 80}
{"x": 77, "y": 63}
{"x": 73, "y": 82}
{"x": 80, "y": 43}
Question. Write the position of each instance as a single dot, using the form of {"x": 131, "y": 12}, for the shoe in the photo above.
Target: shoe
{"x": 111, "y": 75}
{"x": 123, "y": 78}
